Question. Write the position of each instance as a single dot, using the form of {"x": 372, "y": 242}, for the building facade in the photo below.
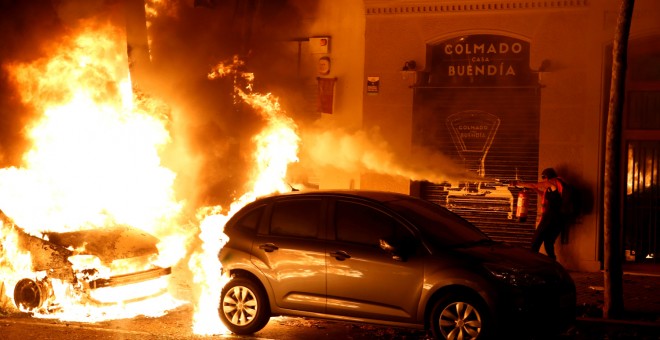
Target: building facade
{"x": 502, "y": 89}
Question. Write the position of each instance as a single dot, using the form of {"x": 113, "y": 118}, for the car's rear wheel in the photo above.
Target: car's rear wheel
{"x": 244, "y": 306}
{"x": 459, "y": 316}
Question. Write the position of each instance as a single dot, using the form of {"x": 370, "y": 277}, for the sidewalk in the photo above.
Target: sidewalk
{"x": 641, "y": 300}
{"x": 641, "y": 295}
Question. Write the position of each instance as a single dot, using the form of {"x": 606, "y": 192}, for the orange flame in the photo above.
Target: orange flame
{"x": 94, "y": 162}
{"x": 277, "y": 147}
{"x": 94, "y": 159}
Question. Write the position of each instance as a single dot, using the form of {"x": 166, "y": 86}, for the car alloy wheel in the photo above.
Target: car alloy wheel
{"x": 458, "y": 317}
{"x": 240, "y": 306}
{"x": 243, "y": 306}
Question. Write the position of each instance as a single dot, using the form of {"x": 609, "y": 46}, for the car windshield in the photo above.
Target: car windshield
{"x": 445, "y": 227}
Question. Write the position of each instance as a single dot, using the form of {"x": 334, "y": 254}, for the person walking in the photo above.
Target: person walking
{"x": 552, "y": 219}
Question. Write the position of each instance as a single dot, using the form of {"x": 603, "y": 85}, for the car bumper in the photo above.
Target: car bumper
{"x": 129, "y": 288}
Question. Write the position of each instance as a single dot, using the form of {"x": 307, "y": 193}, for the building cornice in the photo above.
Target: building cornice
{"x": 442, "y": 7}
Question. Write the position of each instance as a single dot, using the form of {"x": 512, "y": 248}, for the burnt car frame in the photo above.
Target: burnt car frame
{"x": 53, "y": 257}
{"x": 388, "y": 259}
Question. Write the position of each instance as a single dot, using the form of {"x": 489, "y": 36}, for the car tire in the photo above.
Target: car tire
{"x": 244, "y": 307}
{"x": 460, "y": 316}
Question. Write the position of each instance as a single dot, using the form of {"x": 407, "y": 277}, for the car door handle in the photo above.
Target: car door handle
{"x": 340, "y": 255}
{"x": 268, "y": 247}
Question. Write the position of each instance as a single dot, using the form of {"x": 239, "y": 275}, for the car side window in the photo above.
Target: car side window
{"x": 251, "y": 219}
{"x": 300, "y": 217}
{"x": 358, "y": 223}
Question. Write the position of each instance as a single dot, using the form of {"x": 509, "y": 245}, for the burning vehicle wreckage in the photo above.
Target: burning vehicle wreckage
{"x": 84, "y": 263}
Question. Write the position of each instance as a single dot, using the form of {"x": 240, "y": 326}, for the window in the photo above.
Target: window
{"x": 300, "y": 217}
{"x": 251, "y": 219}
{"x": 359, "y": 223}
{"x": 642, "y": 110}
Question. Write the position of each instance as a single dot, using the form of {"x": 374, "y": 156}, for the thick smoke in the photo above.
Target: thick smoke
{"x": 24, "y": 26}
{"x": 213, "y": 133}
{"x": 362, "y": 151}
{"x": 212, "y": 147}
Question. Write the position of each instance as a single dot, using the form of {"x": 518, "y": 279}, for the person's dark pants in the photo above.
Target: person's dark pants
{"x": 546, "y": 233}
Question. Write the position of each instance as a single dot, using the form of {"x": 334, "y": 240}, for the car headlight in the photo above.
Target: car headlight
{"x": 514, "y": 276}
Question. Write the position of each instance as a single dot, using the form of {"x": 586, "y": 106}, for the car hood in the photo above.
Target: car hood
{"x": 109, "y": 243}
{"x": 508, "y": 255}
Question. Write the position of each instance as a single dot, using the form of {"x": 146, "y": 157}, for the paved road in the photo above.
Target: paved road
{"x": 177, "y": 325}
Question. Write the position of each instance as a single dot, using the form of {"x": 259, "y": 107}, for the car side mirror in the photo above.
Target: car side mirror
{"x": 394, "y": 248}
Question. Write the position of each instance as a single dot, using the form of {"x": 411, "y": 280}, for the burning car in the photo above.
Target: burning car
{"x": 81, "y": 264}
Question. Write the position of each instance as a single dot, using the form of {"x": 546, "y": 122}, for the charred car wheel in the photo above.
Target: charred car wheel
{"x": 30, "y": 295}
{"x": 244, "y": 307}
{"x": 459, "y": 316}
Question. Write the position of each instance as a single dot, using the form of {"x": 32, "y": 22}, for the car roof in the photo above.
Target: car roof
{"x": 382, "y": 196}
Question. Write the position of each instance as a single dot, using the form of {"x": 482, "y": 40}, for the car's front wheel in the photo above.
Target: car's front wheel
{"x": 459, "y": 316}
{"x": 244, "y": 306}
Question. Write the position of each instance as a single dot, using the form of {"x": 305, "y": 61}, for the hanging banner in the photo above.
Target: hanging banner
{"x": 326, "y": 94}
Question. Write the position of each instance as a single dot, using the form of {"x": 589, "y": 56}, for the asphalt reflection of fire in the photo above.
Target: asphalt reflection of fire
{"x": 90, "y": 221}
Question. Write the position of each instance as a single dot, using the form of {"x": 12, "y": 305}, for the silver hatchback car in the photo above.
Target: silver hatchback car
{"x": 389, "y": 259}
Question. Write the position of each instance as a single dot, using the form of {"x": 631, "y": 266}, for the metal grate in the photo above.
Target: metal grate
{"x": 512, "y": 114}
{"x": 642, "y": 205}
{"x": 493, "y": 216}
